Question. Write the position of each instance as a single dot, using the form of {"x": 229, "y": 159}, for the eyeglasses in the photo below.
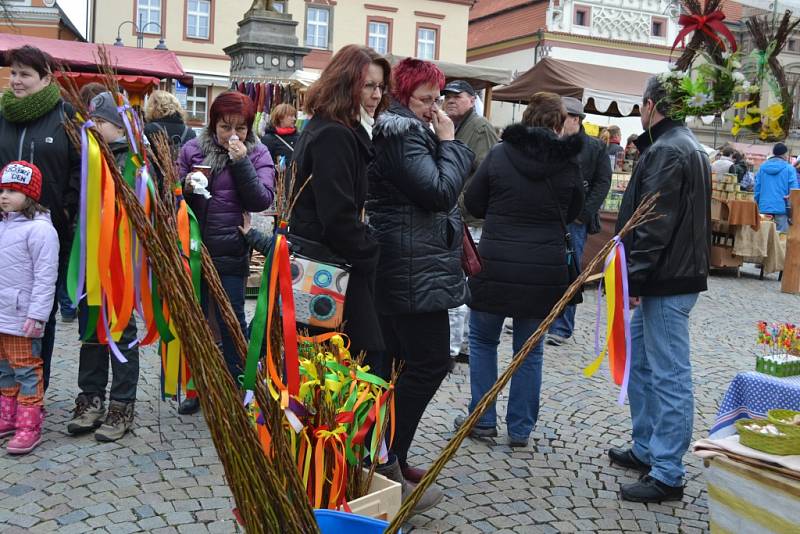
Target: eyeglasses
{"x": 372, "y": 86}
{"x": 428, "y": 101}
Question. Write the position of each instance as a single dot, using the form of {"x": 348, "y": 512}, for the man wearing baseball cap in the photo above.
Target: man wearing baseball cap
{"x": 596, "y": 169}
{"x": 479, "y": 135}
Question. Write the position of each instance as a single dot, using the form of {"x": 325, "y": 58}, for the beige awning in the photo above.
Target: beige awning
{"x": 478, "y": 76}
{"x": 603, "y": 90}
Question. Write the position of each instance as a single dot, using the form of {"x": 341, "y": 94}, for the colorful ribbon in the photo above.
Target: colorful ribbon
{"x": 618, "y": 329}
{"x": 710, "y": 24}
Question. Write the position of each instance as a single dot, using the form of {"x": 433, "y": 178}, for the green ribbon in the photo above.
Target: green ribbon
{"x": 195, "y": 252}
{"x": 259, "y": 325}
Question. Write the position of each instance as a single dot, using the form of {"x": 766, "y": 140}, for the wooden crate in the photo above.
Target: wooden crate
{"x": 382, "y": 501}
{"x": 745, "y": 499}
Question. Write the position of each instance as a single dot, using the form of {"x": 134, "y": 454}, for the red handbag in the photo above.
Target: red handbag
{"x": 470, "y": 259}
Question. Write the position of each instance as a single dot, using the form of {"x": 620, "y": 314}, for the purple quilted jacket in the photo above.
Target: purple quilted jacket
{"x": 235, "y": 187}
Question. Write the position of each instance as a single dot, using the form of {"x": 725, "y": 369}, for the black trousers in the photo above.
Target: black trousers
{"x": 421, "y": 342}
{"x": 95, "y": 359}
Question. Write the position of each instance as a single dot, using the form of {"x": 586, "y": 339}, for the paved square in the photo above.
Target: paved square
{"x": 165, "y": 476}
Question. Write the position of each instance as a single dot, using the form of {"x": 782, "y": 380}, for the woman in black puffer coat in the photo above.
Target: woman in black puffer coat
{"x": 415, "y": 181}
{"x": 519, "y": 190}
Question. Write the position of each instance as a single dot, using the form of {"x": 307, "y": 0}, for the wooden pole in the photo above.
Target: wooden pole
{"x": 487, "y": 106}
{"x": 791, "y": 265}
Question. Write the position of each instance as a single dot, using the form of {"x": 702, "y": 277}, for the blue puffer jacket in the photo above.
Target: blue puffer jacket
{"x": 774, "y": 180}
{"x": 235, "y": 187}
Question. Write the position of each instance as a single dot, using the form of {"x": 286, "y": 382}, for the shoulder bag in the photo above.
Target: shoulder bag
{"x": 319, "y": 282}
{"x": 470, "y": 259}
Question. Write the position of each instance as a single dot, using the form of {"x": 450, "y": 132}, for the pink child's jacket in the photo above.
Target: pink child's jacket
{"x": 28, "y": 270}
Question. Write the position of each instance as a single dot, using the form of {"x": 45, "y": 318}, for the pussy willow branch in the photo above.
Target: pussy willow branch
{"x": 642, "y": 215}
{"x": 262, "y": 498}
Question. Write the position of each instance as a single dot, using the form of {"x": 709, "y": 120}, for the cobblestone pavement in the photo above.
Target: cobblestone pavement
{"x": 165, "y": 477}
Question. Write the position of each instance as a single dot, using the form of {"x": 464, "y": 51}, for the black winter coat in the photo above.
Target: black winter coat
{"x": 329, "y": 211}
{"x": 44, "y": 142}
{"x": 414, "y": 185}
{"x": 176, "y": 130}
{"x": 669, "y": 255}
{"x": 277, "y": 145}
{"x": 523, "y": 247}
{"x": 595, "y": 167}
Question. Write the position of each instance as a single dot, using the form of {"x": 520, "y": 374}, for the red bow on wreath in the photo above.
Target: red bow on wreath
{"x": 710, "y": 24}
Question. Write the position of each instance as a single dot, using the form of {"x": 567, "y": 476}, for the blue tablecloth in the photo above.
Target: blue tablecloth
{"x": 752, "y": 395}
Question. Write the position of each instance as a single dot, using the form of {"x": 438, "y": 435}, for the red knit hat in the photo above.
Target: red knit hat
{"x": 23, "y": 177}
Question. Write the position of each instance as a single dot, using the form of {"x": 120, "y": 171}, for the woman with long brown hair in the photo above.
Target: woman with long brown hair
{"x": 335, "y": 150}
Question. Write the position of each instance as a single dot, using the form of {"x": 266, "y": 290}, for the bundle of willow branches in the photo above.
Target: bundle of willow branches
{"x": 642, "y": 215}
{"x": 264, "y": 500}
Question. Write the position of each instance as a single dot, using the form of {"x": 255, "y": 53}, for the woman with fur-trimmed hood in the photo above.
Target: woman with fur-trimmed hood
{"x": 519, "y": 190}
{"x": 414, "y": 184}
{"x": 241, "y": 180}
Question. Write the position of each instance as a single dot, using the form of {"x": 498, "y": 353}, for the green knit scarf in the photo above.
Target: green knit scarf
{"x": 31, "y": 107}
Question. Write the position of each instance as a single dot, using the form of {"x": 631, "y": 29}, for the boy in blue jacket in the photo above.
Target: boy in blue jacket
{"x": 774, "y": 180}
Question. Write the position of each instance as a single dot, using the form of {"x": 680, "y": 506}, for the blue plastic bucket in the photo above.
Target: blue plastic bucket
{"x": 335, "y": 522}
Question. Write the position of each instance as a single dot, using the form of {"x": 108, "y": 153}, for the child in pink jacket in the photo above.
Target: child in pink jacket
{"x": 29, "y": 263}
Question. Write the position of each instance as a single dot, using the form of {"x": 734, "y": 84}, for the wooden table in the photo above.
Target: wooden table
{"x": 748, "y": 498}
{"x": 791, "y": 269}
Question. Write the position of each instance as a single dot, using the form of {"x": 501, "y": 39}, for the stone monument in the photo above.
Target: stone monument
{"x": 266, "y": 46}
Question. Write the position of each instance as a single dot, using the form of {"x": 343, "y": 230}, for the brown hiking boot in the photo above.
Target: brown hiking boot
{"x": 118, "y": 421}
{"x": 432, "y": 496}
{"x": 87, "y": 414}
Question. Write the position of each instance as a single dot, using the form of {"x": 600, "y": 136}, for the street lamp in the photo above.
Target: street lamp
{"x": 140, "y": 34}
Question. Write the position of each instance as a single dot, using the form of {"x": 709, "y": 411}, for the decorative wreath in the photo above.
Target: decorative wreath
{"x": 764, "y": 103}
{"x": 707, "y": 87}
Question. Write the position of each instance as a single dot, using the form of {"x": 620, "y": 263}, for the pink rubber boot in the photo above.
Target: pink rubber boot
{"x": 29, "y": 430}
{"x": 8, "y": 415}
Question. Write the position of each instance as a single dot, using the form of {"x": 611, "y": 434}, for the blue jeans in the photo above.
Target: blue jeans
{"x": 235, "y": 288}
{"x": 526, "y": 384}
{"x": 781, "y": 222}
{"x": 64, "y": 302}
{"x": 660, "y": 385}
{"x": 565, "y": 323}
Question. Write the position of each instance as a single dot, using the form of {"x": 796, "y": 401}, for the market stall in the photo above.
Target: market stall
{"x": 608, "y": 215}
{"x": 138, "y": 70}
{"x": 739, "y": 233}
{"x": 84, "y": 57}
{"x": 752, "y": 455}
{"x": 603, "y": 90}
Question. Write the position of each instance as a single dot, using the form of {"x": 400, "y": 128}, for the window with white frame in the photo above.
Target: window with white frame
{"x": 378, "y": 36}
{"x": 196, "y": 103}
{"x": 148, "y": 11}
{"x": 280, "y": 7}
{"x": 198, "y": 19}
{"x": 426, "y": 43}
{"x": 317, "y": 23}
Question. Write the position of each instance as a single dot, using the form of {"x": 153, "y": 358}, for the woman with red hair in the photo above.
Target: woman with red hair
{"x": 240, "y": 179}
{"x": 415, "y": 181}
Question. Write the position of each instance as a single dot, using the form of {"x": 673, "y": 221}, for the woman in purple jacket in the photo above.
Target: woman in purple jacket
{"x": 241, "y": 180}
